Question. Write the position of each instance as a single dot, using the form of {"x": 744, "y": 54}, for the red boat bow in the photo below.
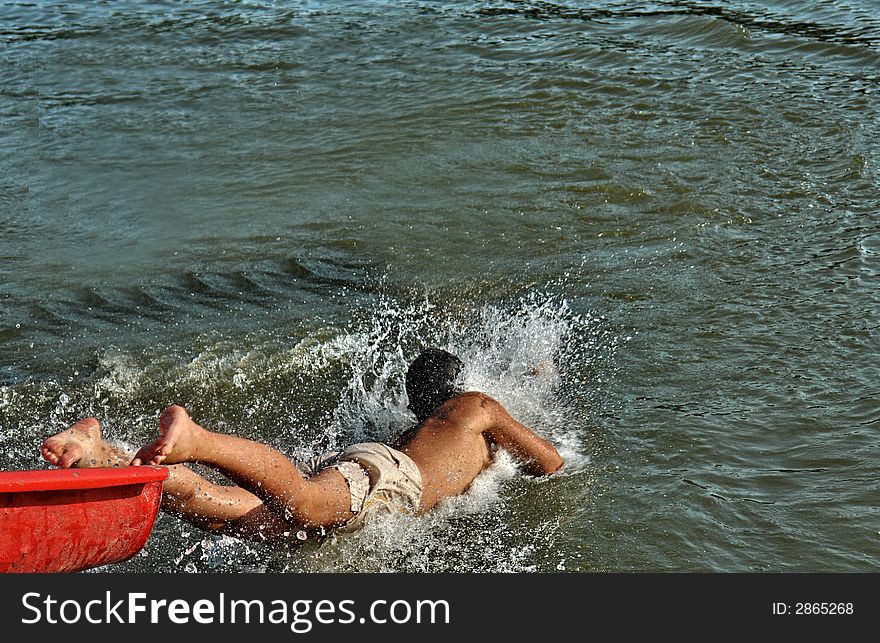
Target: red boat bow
{"x": 65, "y": 520}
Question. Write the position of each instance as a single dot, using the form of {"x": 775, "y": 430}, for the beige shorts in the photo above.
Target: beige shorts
{"x": 381, "y": 480}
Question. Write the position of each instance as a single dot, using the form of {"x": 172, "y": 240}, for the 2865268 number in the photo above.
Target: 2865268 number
{"x": 823, "y": 608}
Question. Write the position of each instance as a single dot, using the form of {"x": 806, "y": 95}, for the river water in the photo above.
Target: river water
{"x": 263, "y": 210}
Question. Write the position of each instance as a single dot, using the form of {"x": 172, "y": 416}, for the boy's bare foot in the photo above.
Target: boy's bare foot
{"x": 81, "y": 446}
{"x": 178, "y": 438}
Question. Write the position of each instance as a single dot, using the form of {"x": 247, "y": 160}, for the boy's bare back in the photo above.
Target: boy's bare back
{"x": 455, "y": 443}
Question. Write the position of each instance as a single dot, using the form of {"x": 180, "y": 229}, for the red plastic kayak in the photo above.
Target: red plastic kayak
{"x": 66, "y": 520}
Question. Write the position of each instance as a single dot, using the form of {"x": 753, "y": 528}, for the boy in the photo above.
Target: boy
{"x": 275, "y": 499}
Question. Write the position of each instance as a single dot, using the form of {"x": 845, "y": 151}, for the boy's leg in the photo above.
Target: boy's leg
{"x": 185, "y": 494}
{"x": 320, "y": 501}
{"x": 221, "y": 509}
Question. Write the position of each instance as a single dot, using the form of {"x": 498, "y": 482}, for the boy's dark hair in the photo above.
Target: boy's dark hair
{"x": 431, "y": 380}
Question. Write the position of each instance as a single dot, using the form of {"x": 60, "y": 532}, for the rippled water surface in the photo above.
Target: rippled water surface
{"x": 263, "y": 210}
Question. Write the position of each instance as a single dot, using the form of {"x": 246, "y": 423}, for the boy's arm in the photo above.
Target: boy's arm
{"x": 538, "y": 456}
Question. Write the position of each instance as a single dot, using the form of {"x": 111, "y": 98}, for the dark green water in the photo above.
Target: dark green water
{"x": 263, "y": 210}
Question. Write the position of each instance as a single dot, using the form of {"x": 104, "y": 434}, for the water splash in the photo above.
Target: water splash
{"x": 517, "y": 352}
{"x": 343, "y": 384}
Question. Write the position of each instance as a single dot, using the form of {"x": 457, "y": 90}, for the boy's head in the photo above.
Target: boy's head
{"x": 432, "y": 379}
